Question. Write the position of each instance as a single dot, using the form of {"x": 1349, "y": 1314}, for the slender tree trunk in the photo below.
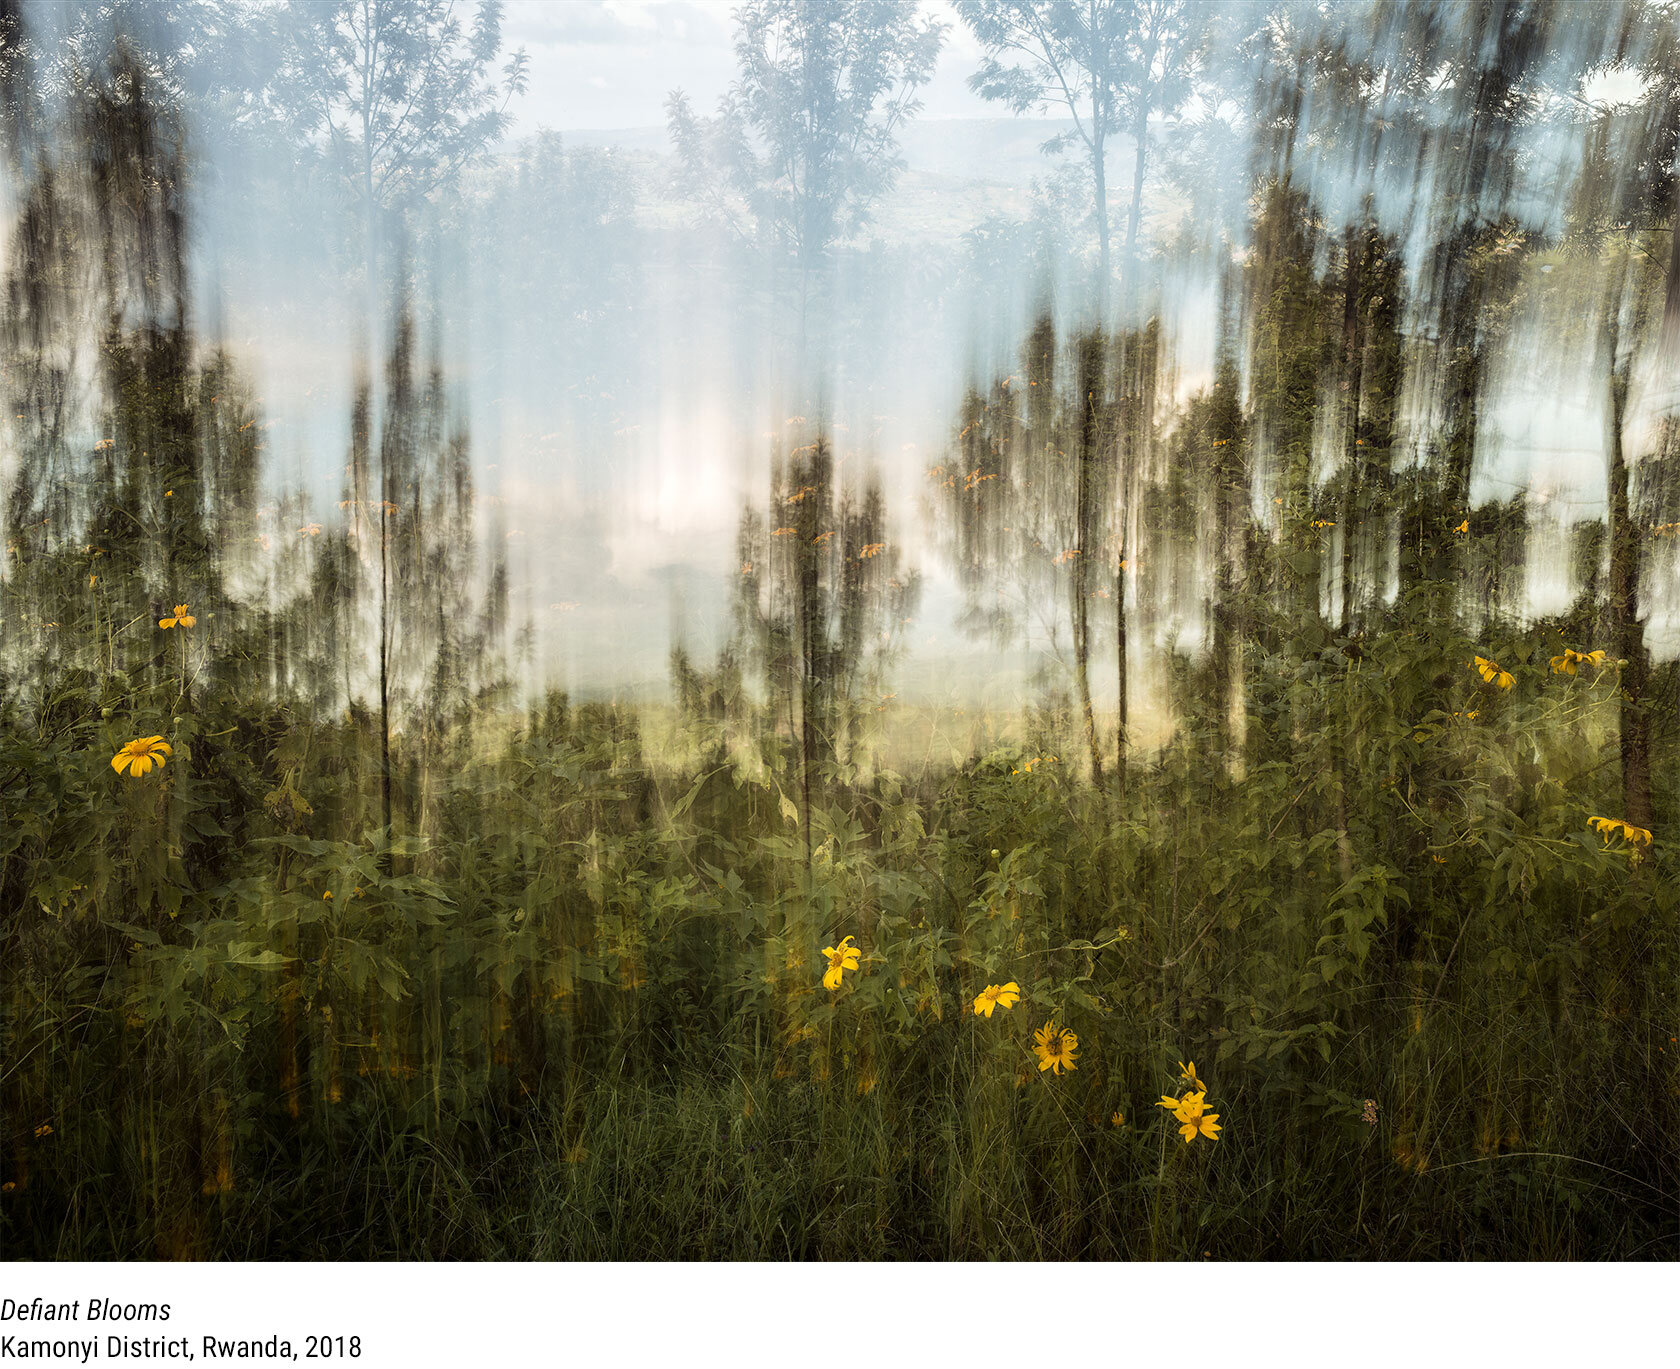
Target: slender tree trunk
{"x": 1227, "y": 638}
{"x": 1120, "y": 654}
{"x": 1090, "y": 385}
{"x": 370, "y": 213}
{"x": 812, "y": 652}
{"x": 1099, "y": 179}
{"x": 370, "y": 247}
{"x": 1629, "y": 627}
{"x": 1671, "y": 297}
{"x": 1134, "y": 216}
{"x": 1349, "y": 516}
{"x": 385, "y": 660}
{"x": 1461, "y": 347}
{"x": 1353, "y": 356}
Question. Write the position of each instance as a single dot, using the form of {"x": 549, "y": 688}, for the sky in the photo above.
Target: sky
{"x": 612, "y": 63}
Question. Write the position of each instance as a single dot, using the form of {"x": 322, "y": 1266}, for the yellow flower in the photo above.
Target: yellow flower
{"x": 1202, "y": 1124}
{"x": 1119, "y": 1119}
{"x": 181, "y": 616}
{"x": 1608, "y": 827}
{"x": 138, "y": 756}
{"x": 1055, "y": 1048}
{"x": 1463, "y": 527}
{"x": 326, "y": 897}
{"x": 45, "y": 1129}
{"x": 840, "y": 959}
{"x": 997, "y": 996}
{"x": 1192, "y": 1115}
{"x": 1188, "y": 1074}
{"x": 1490, "y": 671}
{"x": 1571, "y": 661}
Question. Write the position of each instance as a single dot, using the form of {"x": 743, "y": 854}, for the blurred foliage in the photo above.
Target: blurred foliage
{"x": 388, "y": 959}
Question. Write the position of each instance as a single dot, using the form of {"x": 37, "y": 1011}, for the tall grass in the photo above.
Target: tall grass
{"x": 581, "y": 1016}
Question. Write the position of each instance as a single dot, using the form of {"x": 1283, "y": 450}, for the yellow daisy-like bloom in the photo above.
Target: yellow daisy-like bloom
{"x": 997, "y": 996}
{"x": 1571, "y": 661}
{"x": 1188, "y": 1074}
{"x": 180, "y": 616}
{"x": 1609, "y": 827}
{"x": 840, "y": 959}
{"x": 1491, "y": 672}
{"x": 1055, "y": 1048}
{"x": 138, "y": 756}
{"x": 1202, "y": 1124}
{"x": 1192, "y": 1116}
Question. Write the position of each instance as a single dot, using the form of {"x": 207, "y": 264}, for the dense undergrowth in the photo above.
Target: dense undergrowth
{"x": 581, "y": 1014}
{"x": 320, "y": 939}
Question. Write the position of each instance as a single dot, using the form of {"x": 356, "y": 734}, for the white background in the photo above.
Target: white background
{"x": 1186, "y": 1317}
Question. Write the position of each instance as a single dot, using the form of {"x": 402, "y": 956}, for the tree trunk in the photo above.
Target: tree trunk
{"x": 1671, "y": 297}
{"x": 1090, "y": 385}
{"x": 1099, "y": 178}
{"x": 1353, "y": 356}
{"x": 1629, "y": 628}
{"x": 385, "y": 659}
{"x": 370, "y": 249}
{"x": 1120, "y": 658}
{"x": 1134, "y": 216}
